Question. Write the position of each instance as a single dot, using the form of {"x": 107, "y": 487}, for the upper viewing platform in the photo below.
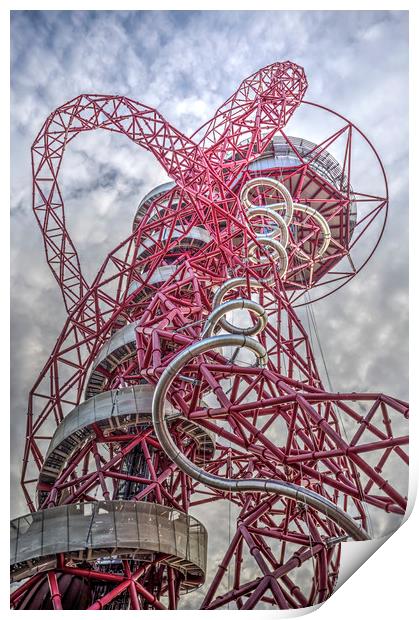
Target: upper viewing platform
{"x": 281, "y": 153}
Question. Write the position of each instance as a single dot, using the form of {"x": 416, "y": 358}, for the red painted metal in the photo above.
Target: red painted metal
{"x": 277, "y": 422}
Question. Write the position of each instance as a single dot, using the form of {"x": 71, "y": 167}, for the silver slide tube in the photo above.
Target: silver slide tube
{"x": 240, "y": 337}
{"x": 285, "y": 489}
{"x": 218, "y": 314}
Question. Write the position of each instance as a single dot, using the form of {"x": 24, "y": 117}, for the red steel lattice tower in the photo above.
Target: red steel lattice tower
{"x": 184, "y": 376}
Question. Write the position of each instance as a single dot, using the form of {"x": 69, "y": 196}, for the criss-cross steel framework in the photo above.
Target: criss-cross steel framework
{"x": 90, "y": 438}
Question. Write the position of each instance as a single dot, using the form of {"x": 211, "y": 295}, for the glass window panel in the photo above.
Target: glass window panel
{"x": 14, "y": 533}
{"x": 194, "y": 543}
{"x": 59, "y": 434}
{"x": 143, "y": 398}
{"x": 128, "y": 333}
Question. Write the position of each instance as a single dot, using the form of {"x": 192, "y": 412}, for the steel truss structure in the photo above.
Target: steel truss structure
{"x": 157, "y": 400}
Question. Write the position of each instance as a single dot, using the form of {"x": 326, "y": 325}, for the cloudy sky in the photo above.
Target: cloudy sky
{"x": 186, "y": 64}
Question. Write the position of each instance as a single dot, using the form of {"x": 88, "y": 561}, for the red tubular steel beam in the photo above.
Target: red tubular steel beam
{"x": 92, "y": 574}
{"x": 133, "y": 595}
{"x": 110, "y": 596}
{"x": 54, "y": 590}
{"x": 27, "y": 585}
{"x": 149, "y": 597}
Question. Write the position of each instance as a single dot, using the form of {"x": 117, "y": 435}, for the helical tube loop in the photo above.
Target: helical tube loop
{"x": 217, "y": 316}
{"x": 255, "y": 485}
{"x": 322, "y": 224}
{"x": 269, "y": 239}
{"x": 218, "y": 302}
{"x": 240, "y": 337}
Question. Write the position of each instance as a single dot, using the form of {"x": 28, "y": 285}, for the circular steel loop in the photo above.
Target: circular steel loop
{"x": 279, "y": 187}
{"x": 266, "y": 239}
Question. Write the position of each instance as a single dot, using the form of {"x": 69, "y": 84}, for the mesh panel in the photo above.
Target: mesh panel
{"x": 80, "y": 518}
{"x": 31, "y": 538}
{"x": 54, "y": 530}
{"x": 166, "y": 530}
{"x": 181, "y": 534}
{"x": 127, "y": 531}
{"x": 103, "y": 530}
{"x": 147, "y": 523}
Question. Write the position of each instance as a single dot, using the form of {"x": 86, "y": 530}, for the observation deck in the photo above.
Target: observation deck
{"x": 315, "y": 179}
{"x": 293, "y": 152}
{"x": 285, "y": 155}
{"x": 88, "y": 531}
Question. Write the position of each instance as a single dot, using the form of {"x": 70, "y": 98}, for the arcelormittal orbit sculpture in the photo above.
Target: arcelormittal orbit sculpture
{"x": 184, "y": 376}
